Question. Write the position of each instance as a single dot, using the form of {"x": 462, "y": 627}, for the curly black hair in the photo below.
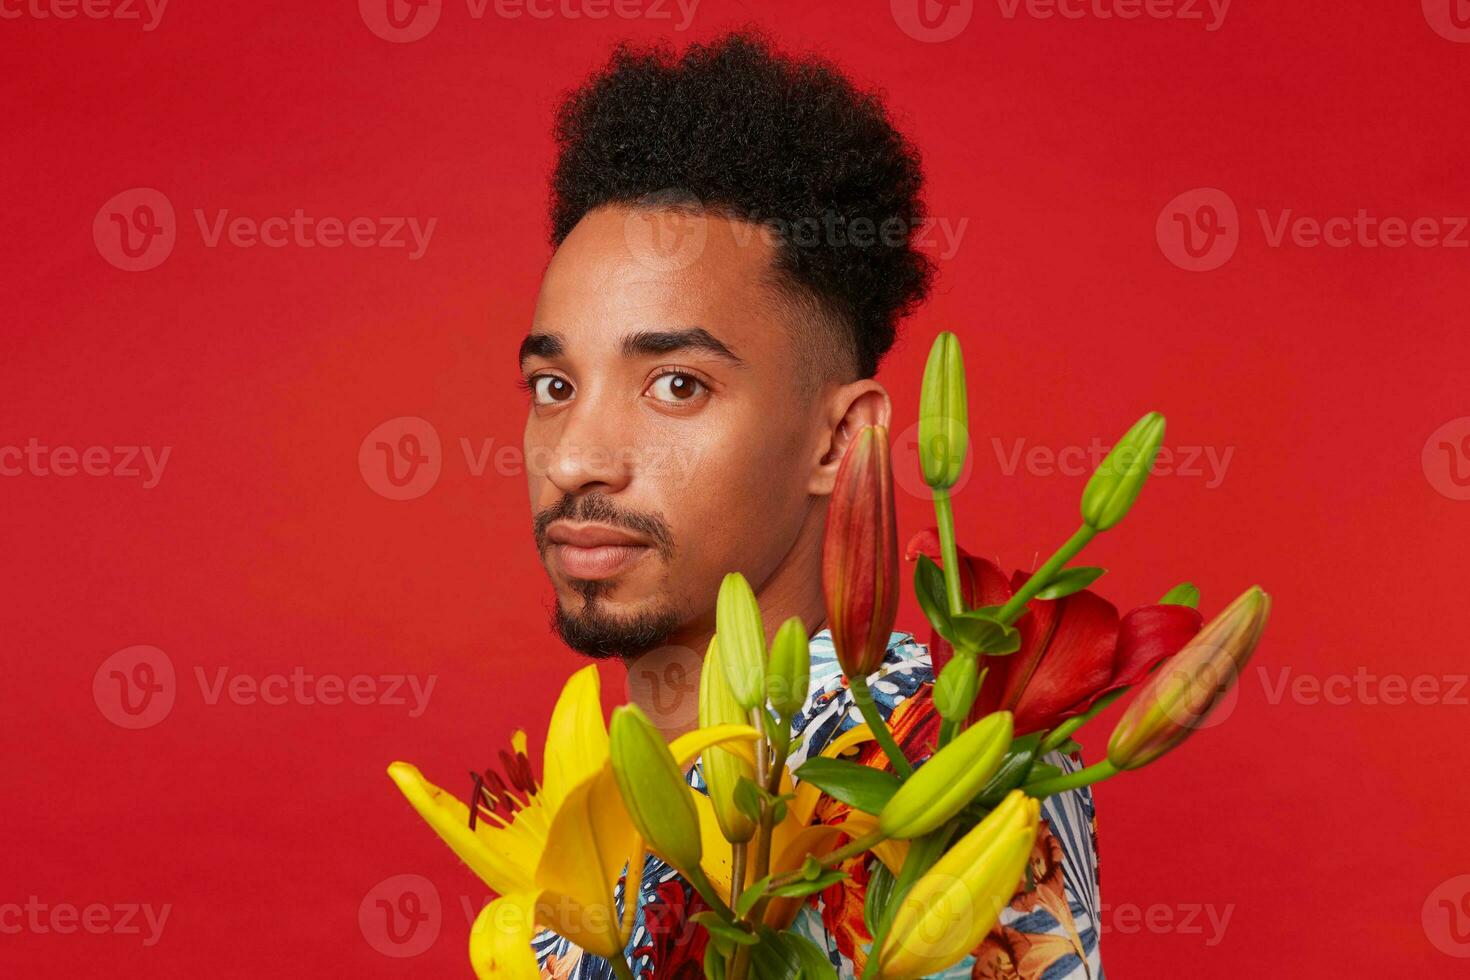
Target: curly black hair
{"x": 764, "y": 137}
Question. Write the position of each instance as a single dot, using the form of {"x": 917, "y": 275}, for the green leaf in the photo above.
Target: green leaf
{"x": 751, "y": 894}
{"x": 880, "y": 887}
{"x": 777, "y": 732}
{"x": 798, "y": 889}
{"x": 978, "y": 630}
{"x": 747, "y": 797}
{"x": 1183, "y": 594}
{"x": 788, "y": 956}
{"x": 729, "y": 931}
{"x": 1070, "y": 580}
{"x": 714, "y": 962}
{"x": 1013, "y": 770}
{"x": 860, "y": 786}
{"x": 933, "y": 596}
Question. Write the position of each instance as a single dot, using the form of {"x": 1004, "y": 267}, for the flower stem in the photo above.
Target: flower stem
{"x": 949, "y": 551}
{"x": 1012, "y": 610}
{"x": 632, "y": 880}
{"x": 620, "y": 968}
{"x": 851, "y": 849}
{"x": 863, "y": 695}
{"x": 1073, "y": 780}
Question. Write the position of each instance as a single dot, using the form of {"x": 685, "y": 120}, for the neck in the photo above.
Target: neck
{"x": 665, "y": 682}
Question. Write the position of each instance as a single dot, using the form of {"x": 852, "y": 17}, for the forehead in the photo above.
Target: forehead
{"x": 622, "y": 270}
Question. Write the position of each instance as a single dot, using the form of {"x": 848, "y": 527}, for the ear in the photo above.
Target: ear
{"x": 851, "y": 407}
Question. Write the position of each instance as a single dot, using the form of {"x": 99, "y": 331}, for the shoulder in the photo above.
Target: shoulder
{"x": 830, "y": 709}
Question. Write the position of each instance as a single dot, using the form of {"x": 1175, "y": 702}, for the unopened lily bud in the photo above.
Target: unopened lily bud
{"x": 1180, "y": 695}
{"x": 943, "y": 414}
{"x": 1119, "y": 478}
{"x": 790, "y": 670}
{"x": 945, "y": 785}
{"x": 653, "y": 789}
{"x": 860, "y": 555}
{"x": 742, "y": 640}
{"x": 955, "y": 690}
{"x": 723, "y": 768}
{"x": 955, "y": 904}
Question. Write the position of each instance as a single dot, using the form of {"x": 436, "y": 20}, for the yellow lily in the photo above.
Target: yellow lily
{"x": 556, "y": 859}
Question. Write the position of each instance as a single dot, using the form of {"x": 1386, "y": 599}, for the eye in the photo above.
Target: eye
{"x": 548, "y": 389}
{"x": 676, "y": 387}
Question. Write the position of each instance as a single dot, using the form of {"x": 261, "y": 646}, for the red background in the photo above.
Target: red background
{"x": 1323, "y": 828}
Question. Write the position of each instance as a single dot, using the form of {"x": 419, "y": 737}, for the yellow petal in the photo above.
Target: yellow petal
{"x": 807, "y": 795}
{"x": 500, "y": 939}
{"x": 687, "y": 747}
{"x": 502, "y": 859}
{"x": 576, "y": 739}
{"x": 589, "y": 841}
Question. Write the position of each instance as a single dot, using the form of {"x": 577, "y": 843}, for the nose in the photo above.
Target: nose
{"x": 592, "y": 451}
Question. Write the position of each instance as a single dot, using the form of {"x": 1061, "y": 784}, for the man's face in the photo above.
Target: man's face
{"x": 672, "y": 432}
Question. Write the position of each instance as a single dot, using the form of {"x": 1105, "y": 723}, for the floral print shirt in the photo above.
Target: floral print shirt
{"x": 1049, "y": 932}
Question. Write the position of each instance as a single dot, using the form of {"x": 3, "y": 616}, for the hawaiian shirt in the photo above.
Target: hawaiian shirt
{"x": 1049, "y": 932}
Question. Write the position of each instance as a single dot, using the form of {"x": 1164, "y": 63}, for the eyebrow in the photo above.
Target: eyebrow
{"x": 640, "y": 344}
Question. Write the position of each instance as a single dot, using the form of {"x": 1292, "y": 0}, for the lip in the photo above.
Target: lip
{"x": 594, "y": 551}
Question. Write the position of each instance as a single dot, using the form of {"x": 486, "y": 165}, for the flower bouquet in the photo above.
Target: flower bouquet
{"x": 1020, "y": 662}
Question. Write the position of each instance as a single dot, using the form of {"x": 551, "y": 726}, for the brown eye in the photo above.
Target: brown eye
{"x": 547, "y": 389}
{"x": 675, "y": 387}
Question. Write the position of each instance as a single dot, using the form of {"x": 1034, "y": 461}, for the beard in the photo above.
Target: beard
{"x": 598, "y": 633}
{"x": 594, "y": 630}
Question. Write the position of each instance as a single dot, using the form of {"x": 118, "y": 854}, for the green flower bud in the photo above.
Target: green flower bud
{"x": 742, "y": 640}
{"x": 959, "y": 682}
{"x": 790, "y": 670}
{"x": 1116, "y": 483}
{"x": 943, "y": 414}
{"x": 653, "y": 789}
{"x": 954, "y": 776}
{"x": 723, "y": 768}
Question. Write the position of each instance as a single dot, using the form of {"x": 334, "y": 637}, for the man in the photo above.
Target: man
{"x": 733, "y": 254}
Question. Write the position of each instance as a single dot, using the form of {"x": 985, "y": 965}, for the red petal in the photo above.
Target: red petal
{"x": 1067, "y": 653}
{"x": 1148, "y": 635}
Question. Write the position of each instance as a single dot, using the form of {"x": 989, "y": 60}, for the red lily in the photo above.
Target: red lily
{"x": 1073, "y": 650}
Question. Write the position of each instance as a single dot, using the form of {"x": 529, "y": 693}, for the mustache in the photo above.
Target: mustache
{"x": 599, "y": 508}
